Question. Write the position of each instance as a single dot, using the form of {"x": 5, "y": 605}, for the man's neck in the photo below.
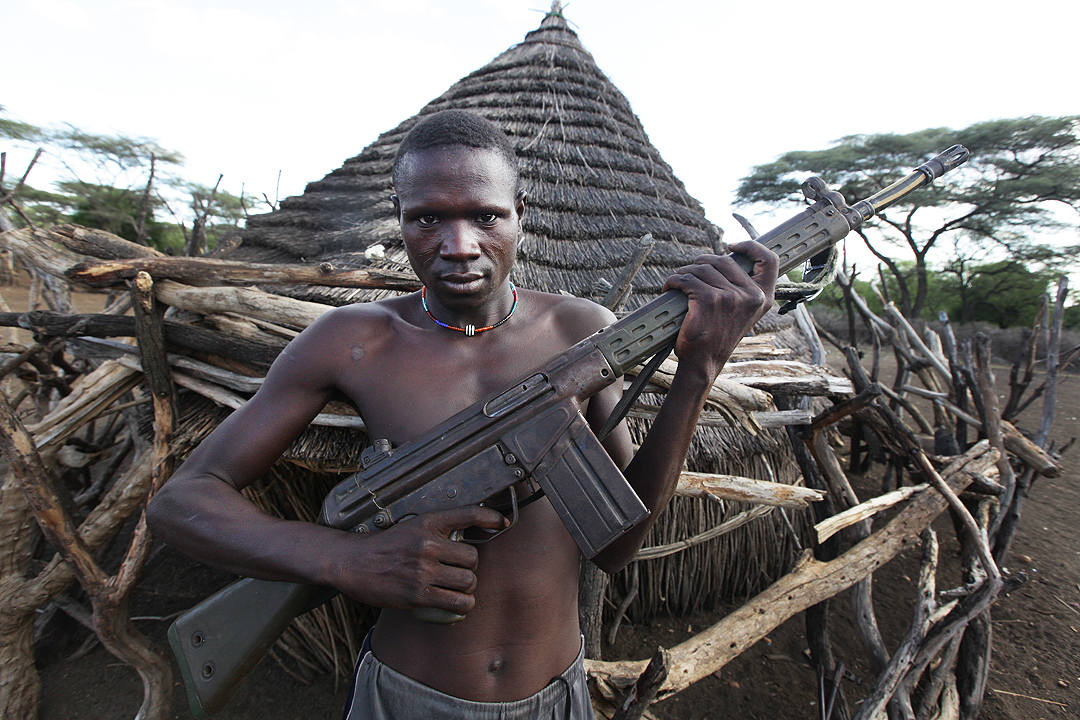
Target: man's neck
{"x": 489, "y": 316}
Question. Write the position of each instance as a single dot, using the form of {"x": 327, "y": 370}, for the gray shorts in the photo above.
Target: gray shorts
{"x": 382, "y": 693}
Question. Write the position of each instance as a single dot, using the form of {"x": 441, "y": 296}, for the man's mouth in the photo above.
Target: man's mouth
{"x": 462, "y": 282}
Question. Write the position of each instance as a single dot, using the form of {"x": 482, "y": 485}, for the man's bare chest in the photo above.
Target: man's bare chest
{"x": 404, "y": 391}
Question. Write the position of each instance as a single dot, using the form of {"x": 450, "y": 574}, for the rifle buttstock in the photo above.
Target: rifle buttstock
{"x": 219, "y": 642}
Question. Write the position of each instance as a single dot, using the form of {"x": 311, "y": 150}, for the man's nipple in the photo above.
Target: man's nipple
{"x": 357, "y": 353}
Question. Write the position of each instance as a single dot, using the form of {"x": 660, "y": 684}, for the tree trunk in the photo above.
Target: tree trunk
{"x": 591, "y": 589}
{"x": 20, "y": 685}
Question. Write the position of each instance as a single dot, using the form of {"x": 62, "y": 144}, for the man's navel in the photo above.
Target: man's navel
{"x": 496, "y": 667}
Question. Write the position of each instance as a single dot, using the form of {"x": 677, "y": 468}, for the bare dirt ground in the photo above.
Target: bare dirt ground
{"x": 1035, "y": 671}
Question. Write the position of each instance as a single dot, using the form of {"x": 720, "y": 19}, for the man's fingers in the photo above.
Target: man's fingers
{"x": 458, "y": 579}
{"x": 753, "y": 250}
{"x": 716, "y": 271}
{"x": 456, "y": 602}
{"x": 446, "y": 521}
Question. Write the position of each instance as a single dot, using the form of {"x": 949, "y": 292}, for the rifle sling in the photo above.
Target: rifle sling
{"x": 632, "y": 392}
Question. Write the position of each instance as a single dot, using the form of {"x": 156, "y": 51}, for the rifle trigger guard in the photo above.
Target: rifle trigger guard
{"x": 492, "y": 534}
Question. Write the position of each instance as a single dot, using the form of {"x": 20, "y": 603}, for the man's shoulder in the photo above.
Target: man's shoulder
{"x": 361, "y": 315}
{"x": 366, "y": 324}
{"x": 578, "y": 316}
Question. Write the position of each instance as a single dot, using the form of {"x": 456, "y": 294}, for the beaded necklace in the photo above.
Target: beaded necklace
{"x": 469, "y": 330}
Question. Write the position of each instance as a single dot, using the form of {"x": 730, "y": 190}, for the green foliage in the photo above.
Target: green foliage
{"x": 45, "y": 208}
{"x": 23, "y": 132}
{"x": 116, "y": 210}
{"x": 1072, "y": 317}
{"x": 118, "y": 183}
{"x": 1023, "y": 178}
{"x": 1005, "y": 293}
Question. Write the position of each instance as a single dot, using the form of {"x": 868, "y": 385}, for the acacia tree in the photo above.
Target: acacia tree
{"x": 1006, "y": 293}
{"x": 1022, "y": 182}
{"x": 119, "y": 183}
{"x": 106, "y": 181}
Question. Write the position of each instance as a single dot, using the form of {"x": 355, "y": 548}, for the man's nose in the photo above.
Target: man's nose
{"x": 459, "y": 241}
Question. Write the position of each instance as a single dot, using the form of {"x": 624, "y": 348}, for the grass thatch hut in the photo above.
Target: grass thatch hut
{"x": 595, "y": 185}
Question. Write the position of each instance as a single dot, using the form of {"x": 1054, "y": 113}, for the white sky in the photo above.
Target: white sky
{"x": 251, "y": 88}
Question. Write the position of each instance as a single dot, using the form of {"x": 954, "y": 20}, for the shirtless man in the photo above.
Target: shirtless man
{"x": 406, "y": 364}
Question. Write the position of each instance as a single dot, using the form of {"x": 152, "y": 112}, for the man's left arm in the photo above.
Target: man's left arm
{"x": 725, "y": 302}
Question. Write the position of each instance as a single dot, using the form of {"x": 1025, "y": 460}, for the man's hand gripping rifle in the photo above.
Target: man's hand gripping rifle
{"x": 530, "y": 432}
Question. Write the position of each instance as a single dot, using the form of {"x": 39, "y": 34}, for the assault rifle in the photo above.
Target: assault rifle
{"x": 531, "y": 431}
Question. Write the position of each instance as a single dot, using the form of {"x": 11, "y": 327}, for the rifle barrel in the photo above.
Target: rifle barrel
{"x": 922, "y": 175}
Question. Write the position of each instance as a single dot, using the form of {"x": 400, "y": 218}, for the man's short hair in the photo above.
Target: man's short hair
{"x": 455, "y": 127}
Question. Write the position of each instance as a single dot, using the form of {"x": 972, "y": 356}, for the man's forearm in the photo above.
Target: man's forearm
{"x": 654, "y": 471}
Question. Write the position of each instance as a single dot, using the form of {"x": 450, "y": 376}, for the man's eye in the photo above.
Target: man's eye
{"x": 487, "y": 218}
{"x": 427, "y": 220}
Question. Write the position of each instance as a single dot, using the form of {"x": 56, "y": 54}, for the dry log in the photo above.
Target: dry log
{"x": 231, "y": 400}
{"x": 728, "y": 394}
{"x": 810, "y": 582}
{"x": 207, "y": 271}
{"x": 926, "y": 603}
{"x": 862, "y": 594}
{"x": 92, "y": 395}
{"x": 202, "y": 370}
{"x": 659, "y": 551}
{"x": 618, "y": 293}
{"x": 1034, "y": 456}
{"x": 743, "y": 489}
{"x": 936, "y": 362}
{"x": 1010, "y": 515}
{"x": 39, "y": 251}
{"x": 20, "y": 688}
{"x": 178, "y": 335}
{"x": 126, "y": 495}
{"x": 1016, "y": 442}
{"x": 972, "y": 619}
{"x": 940, "y": 692}
{"x": 114, "y": 629}
{"x": 22, "y": 356}
{"x": 643, "y": 692}
{"x": 829, "y": 527}
{"x": 61, "y": 251}
{"x": 992, "y": 424}
{"x": 787, "y": 377}
{"x": 756, "y": 347}
{"x": 259, "y": 304}
{"x": 251, "y": 328}
{"x": 709, "y": 418}
{"x": 95, "y": 243}
{"x": 151, "y": 337}
{"x": 20, "y": 597}
{"x": 1053, "y": 355}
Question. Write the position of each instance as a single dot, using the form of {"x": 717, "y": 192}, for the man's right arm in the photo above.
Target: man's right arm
{"x": 201, "y": 511}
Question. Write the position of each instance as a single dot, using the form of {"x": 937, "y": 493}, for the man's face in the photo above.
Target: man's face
{"x": 460, "y": 216}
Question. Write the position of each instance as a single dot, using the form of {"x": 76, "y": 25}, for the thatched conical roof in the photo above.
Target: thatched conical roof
{"x": 595, "y": 182}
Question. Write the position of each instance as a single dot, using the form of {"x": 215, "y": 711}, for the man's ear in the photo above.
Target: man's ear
{"x": 397, "y": 204}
